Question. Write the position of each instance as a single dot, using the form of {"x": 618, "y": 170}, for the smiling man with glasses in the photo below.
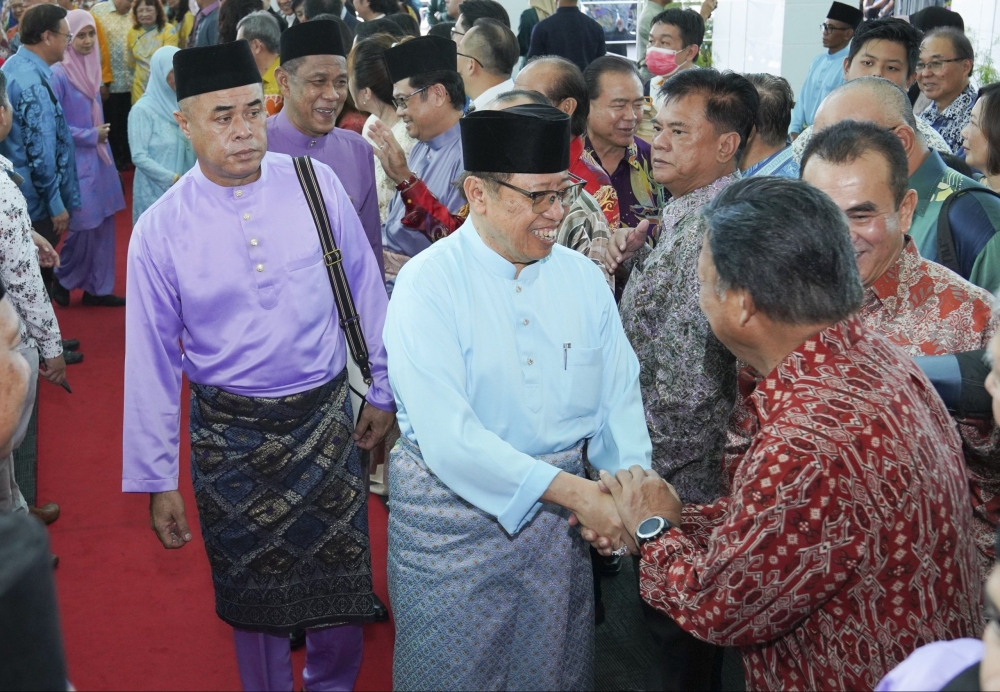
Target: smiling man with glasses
{"x": 826, "y": 71}
{"x": 946, "y": 60}
{"x": 507, "y": 353}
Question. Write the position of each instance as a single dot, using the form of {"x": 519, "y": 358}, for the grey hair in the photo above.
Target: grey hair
{"x": 889, "y": 95}
{"x": 787, "y": 244}
{"x": 261, "y": 25}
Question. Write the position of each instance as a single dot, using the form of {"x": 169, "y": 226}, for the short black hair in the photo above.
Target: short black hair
{"x": 690, "y": 23}
{"x": 774, "y": 114}
{"x": 786, "y": 244}
{"x": 382, "y": 25}
{"x": 442, "y": 29}
{"x": 849, "y": 140}
{"x": 731, "y": 101}
{"x": 989, "y": 123}
{"x": 474, "y": 10}
{"x": 569, "y": 83}
{"x": 494, "y": 45}
{"x": 312, "y": 8}
{"x": 451, "y": 81}
{"x": 408, "y": 24}
{"x": 528, "y": 94}
{"x": 960, "y": 43}
{"x": 385, "y": 7}
{"x": 888, "y": 29}
{"x": 366, "y": 65}
{"x": 607, "y": 64}
{"x": 935, "y": 17}
{"x": 39, "y": 19}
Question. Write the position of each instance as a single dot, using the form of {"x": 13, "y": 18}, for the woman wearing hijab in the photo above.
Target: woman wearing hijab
{"x": 160, "y": 152}
{"x": 88, "y": 254}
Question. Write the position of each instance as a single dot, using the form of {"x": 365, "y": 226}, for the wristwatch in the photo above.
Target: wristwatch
{"x": 651, "y": 529}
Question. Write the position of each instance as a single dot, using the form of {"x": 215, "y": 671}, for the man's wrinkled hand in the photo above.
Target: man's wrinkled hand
{"x": 47, "y": 256}
{"x": 373, "y": 425}
{"x": 60, "y": 223}
{"x": 166, "y": 518}
{"x": 639, "y": 494}
{"x": 624, "y": 244}
{"x": 54, "y": 370}
{"x": 390, "y": 154}
{"x": 601, "y": 526}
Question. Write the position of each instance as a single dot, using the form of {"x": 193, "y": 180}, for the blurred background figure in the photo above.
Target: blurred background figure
{"x": 148, "y": 34}
{"x": 981, "y": 137}
{"x": 263, "y": 32}
{"x": 180, "y": 16}
{"x": 160, "y": 152}
{"x": 115, "y": 21}
{"x": 230, "y": 15}
{"x": 88, "y": 253}
{"x": 205, "y": 31}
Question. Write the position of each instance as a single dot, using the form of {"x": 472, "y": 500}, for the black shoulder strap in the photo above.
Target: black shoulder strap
{"x": 349, "y": 320}
{"x": 947, "y": 251}
{"x": 966, "y": 681}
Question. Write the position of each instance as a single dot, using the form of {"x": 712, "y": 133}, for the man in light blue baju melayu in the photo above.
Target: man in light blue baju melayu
{"x": 509, "y": 364}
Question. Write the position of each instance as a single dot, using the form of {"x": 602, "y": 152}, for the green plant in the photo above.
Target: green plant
{"x": 985, "y": 72}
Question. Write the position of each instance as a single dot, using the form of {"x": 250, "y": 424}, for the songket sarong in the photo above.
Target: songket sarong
{"x": 475, "y": 608}
{"x": 283, "y": 508}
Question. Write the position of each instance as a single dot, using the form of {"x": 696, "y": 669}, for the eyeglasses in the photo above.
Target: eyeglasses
{"x": 543, "y": 200}
{"x": 455, "y": 32}
{"x": 470, "y": 58}
{"x": 936, "y": 65}
{"x": 830, "y": 28}
{"x": 69, "y": 37}
{"x": 403, "y": 102}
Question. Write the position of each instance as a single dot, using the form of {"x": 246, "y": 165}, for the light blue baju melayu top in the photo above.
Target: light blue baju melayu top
{"x": 825, "y": 74}
{"x": 489, "y": 371}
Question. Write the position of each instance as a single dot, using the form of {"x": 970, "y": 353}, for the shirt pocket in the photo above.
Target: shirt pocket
{"x": 303, "y": 262}
{"x": 583, "y": 379}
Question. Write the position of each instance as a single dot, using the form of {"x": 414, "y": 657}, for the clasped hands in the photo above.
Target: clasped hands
{"x": 617, "y": 504}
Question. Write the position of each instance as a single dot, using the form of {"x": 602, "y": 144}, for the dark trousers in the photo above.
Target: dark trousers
{"x": 682, "y": 661}
{"x": 116, "y": 110}
{"x": 45, "y": 229}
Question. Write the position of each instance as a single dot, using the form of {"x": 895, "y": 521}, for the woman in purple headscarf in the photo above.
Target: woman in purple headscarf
{"x": 88, "y": 253}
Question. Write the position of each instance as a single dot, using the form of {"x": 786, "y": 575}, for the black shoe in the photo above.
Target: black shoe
{"x": 71, "y": 344}
{"x": 72, "y": 357}
{"x": 108, "y": 301}
{"x": 297, "y": 639}
{"x": 59, "y": 293}
{"x": 609, "y": 566}
{"x": 381, "y": 612}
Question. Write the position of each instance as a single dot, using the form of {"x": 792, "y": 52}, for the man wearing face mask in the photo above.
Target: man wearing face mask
{"x": 674, "y": 42}
{"x": 313, "y": 82}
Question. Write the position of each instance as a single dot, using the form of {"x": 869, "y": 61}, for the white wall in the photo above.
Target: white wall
{"x": 982, "y": 26}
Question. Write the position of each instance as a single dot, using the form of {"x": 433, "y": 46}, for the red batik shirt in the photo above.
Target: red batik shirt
{"x": 598, "y": 183}
{"x": 844, "y": 543}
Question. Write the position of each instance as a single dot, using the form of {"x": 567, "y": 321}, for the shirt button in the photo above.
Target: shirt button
{"x": 312, "y": 143}
{"x": 239, "y": 193}
{"x": 253, "y": 242}
{"x": 526, "y": 323}
{"x": 260, "y": 267}
{"x": 246, "y": 216}
{"x": 531, "y": 362}
{"x": 518, "y": 289}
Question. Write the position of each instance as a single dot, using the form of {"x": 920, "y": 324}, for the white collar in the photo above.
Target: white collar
{"x": 487, "y": 96}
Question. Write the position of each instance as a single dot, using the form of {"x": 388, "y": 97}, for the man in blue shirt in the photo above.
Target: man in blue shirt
{"x": 40, "y": 144}
{"x": 827, "y": 70}
{"x": 570, "y": 34}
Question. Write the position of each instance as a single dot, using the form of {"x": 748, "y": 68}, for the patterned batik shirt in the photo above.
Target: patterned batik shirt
{"x": 116, "y": 27}
{"x": 688, "y": 378}
{"x": 639, "y": 195}
{"x": 20, "y": 273}
{"x": 950, "y": 122}
{"x": 844, "y": 544}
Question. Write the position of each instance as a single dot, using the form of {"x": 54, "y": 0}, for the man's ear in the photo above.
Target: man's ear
{"x": 567, "y": 105}
{"x": 281, "y": 77}
{"x": 747, "y": 307}
{"x": 475, "y": 193}
{"x": 182, "y": 122}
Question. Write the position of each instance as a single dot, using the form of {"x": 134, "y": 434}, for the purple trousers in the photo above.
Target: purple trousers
{"x": 333, "y": 658}
{"x": 87, "y": 259}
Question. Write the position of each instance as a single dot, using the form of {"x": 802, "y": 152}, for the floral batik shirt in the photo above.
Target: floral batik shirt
{"x": 843, "y": 545}
{"x": 639, "y": 196}
{"x": 950, "y": 122}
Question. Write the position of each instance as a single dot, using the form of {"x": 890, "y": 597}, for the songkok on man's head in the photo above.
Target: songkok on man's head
{"x": 841, "y": 12}
{"x": 421, "y": 55}
{"x": 524, "y": 139}
{"x": 318, "y": 37}
{"x": 214, "y": 68}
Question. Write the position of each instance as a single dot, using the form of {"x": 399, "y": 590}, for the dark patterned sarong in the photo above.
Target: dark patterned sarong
{"x": 475, "y": 608}
{"x": 283, "y": 508}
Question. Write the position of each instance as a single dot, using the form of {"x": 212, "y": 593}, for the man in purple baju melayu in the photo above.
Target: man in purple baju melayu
{"x": 313, "y": 81}
{"x": 228, "y": 285}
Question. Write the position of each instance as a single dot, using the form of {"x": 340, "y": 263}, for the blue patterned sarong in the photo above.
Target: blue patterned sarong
{"x": 475, "y": 608}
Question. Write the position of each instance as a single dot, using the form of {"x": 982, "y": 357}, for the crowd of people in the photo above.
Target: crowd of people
{"x": 370, "y": 249}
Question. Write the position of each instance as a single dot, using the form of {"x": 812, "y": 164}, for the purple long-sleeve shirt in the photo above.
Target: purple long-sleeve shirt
{"x": 228, "y": 285}
{"x": 350, "y": 157}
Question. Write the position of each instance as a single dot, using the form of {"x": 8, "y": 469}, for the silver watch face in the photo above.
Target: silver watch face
{"x": 650, "y": 527}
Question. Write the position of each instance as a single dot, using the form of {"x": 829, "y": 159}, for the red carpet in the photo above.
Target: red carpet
{"x": 136, "y": 616}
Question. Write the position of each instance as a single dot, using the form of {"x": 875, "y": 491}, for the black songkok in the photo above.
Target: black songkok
{"x": 214, "y": 68}
{"x": 523, "y": 139}
{"x": 421, "y": 55}
{"x": 847, "y": 14}
{"x": 318, "y": 37}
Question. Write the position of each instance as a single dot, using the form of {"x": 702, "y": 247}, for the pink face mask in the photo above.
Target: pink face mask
{"x": 661, "y": 61}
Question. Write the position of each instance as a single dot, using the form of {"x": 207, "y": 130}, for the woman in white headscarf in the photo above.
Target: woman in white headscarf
{"x": 160, "y": 151}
